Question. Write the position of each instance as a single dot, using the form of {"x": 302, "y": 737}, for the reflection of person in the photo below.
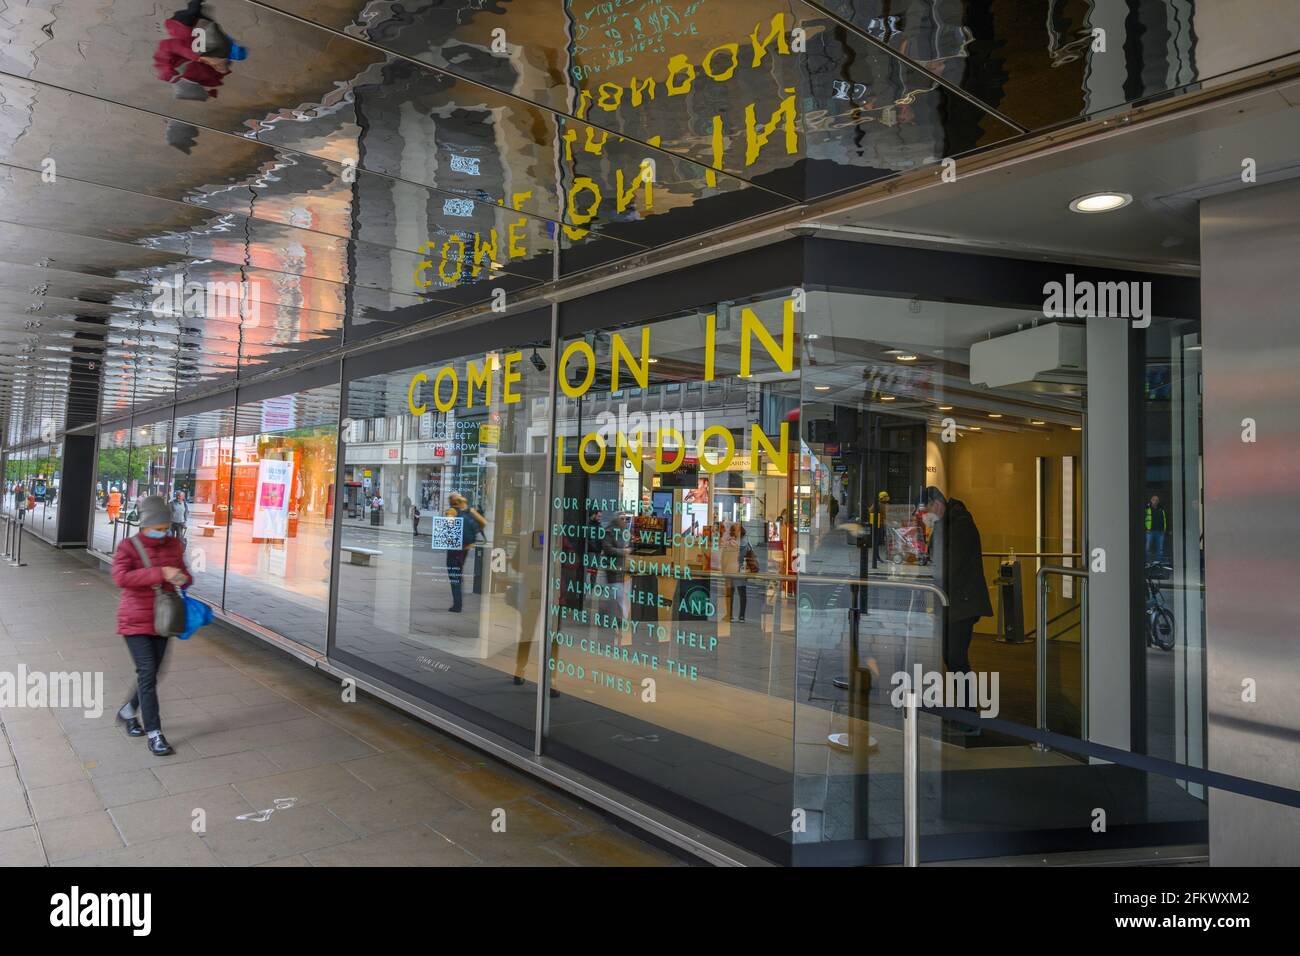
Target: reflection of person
{"x": 471, "y": 522}
{"x": 1156, "y": 522}
{"x": 135, "y": 613}
{"x": 878, "y": 514}
{"x": 614, "y": 548}
{"x": 832, "y": 509}
{"x": 180, "y": 509}
{"x": 378, "y": 504}
{"x": 955, "y": 552}
{"x": 520, "y": 595}
{"x": 194, "y": 74}
{"x": 415, "y": 519}
{"x": 114, "y": 504}
{"x": 739, "y": 559}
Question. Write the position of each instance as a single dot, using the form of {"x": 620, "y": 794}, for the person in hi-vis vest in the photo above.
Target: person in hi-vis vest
{"x": 1155, "y": 521}
{"x": 876, "y": 516}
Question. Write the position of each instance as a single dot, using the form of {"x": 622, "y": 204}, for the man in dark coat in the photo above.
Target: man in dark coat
{"x": 959, "y": 570}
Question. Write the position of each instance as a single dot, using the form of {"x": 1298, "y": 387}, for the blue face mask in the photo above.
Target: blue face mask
{"x": 154, "y": 533}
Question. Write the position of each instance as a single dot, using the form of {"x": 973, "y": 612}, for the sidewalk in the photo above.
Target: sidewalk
{"x": 372, "y": 787}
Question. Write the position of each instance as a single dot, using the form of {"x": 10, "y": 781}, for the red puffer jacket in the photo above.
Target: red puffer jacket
{"x": 135, "y": 609}
{"x": 173, "y": 53}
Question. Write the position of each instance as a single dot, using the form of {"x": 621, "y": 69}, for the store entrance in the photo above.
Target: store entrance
{"x": 939, "y": 457}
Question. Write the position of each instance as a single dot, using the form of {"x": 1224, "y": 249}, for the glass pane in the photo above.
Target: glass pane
{"x": 444, "y": 526}
{"x": 200, "y": 495}
{"x": 282, "y": 513}
{"x": 116, "y": 486}
{"x": 923, "y": 468}
{"x": 671, "y": 622}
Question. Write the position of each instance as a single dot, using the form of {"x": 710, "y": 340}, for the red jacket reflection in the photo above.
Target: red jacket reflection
{"x": 174, "y": 53}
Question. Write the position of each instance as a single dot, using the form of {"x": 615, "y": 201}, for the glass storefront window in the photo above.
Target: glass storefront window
{"x": 281, "y": 513}
{"x": 673, "y": 543}
{"x": 443, "y": 518}
{"x": 199, "y": 494}
{"x": 117, "y": 484}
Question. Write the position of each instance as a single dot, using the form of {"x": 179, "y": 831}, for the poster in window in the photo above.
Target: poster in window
{"x": 271, "y": 503}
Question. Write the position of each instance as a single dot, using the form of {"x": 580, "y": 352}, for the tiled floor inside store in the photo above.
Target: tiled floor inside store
{"x": 251, "y": 726}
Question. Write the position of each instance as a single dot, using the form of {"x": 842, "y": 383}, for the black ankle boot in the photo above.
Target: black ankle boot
{"x": 159, "y": 746}
{"x": 132, "y": 724}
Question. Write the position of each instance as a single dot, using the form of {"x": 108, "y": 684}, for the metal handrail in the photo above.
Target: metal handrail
{"x": 819, "y": 579}
{"x": 1031, "y": 554}
{"x": 1041, "y": 648}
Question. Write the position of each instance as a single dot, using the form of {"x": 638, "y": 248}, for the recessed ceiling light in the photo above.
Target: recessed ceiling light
{"x": 976, "y": 428}
{"x": 821, "y": 388}
{"x": 945, "y": 408}
{"x": 995, "y": 414}
{"x": 811, "y": 335}
{"x": 1193, "y": 348}
{"x": 1100, "y": 202}
{"x": 651, "y": 361}
{"x": 886, "y": 398}
{"x": 906, "y": 358}
{"x": 1035, "y": 421}
{"x": 1076, "y": 428}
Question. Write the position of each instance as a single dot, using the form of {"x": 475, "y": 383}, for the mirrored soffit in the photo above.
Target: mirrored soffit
{"x": 370, "y": 164}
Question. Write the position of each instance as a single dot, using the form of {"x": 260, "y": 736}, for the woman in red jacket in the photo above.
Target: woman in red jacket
{"x": 135, "y": 612}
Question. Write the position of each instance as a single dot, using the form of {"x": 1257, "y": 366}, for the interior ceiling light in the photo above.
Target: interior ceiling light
{"x": 821, "y": 388}
{"x": 945, "y": 408}
{"x": 906, "y": 358}
{"x": 995, "y": 414}
{"x": 811, "y": 335}
{"x": 886, "y": 398}
{"x": 1076, "y": 428}
{"x": 1100, "y": 202}
{"x": 1035, "y": 421}
{"x": 976, "y": 428}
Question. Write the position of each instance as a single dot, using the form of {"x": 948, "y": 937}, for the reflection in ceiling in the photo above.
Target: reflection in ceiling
{"x": 174, "y": 219}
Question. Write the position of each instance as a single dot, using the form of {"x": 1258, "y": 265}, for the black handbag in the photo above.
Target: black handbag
{"x": 169, "y": 617}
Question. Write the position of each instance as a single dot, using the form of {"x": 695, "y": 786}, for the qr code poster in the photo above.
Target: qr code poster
{"x": 448, "y": 533}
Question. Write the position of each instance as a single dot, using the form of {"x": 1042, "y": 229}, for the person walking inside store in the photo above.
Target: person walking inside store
{"x": 144, "y": 565}
{"x": 1155, "y": 520}
{"x": 180, "y": 515}
{"x": 471, "y": 524}
{"x": 956, "y": 554}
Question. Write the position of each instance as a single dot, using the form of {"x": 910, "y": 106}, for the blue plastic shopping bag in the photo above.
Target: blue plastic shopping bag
{"x": 197, "y": 615}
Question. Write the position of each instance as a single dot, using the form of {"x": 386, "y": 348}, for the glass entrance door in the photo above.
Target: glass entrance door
{"x": 930, "y": 467}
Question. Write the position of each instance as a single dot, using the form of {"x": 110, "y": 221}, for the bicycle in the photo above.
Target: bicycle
{"x": 1161, "y": 625}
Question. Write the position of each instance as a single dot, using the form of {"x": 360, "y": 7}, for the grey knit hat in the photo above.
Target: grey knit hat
{"x": 152, "y": 511}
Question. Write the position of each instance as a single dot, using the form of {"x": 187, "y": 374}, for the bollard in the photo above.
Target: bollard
{"x": 8, "y": 527}
{"x": 911, "y": 773}
{"x": 17, "y": 561}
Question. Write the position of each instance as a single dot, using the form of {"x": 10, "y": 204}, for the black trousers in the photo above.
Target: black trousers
{"x": 957, "y": 636}
{"x": 147, "y": 651}
{"x": 455, "y": 574}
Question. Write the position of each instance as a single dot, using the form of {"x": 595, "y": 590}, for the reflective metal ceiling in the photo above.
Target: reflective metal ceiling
{"x": 369, "y": 164}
